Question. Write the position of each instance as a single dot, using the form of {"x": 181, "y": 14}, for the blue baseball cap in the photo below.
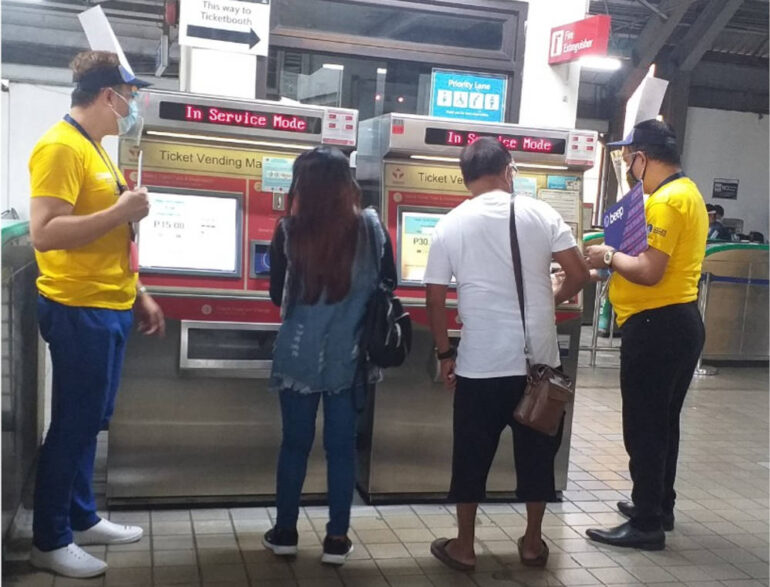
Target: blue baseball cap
{"x": 106, "y": 77}
{"x": 647, "y": 132}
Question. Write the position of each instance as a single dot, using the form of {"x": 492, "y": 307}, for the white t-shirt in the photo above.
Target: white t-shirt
{"x": 472, "y": 244}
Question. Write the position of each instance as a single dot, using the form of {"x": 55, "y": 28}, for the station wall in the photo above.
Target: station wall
{"x": 731, "y": 145}
{"x": 30, "y": 111}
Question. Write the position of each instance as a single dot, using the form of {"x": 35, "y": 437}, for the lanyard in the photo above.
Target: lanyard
{"x": 121, "y": 187}
{"x": 669, "y": 179}
{"x": 106, "y": 160}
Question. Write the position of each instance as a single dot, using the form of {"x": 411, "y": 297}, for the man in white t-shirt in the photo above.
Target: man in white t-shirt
{"x": 472, "y": 244}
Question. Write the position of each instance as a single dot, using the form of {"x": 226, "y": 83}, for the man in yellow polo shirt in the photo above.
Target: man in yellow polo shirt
{"x": 654, "y": 296}
{"x": 80, "y": 217}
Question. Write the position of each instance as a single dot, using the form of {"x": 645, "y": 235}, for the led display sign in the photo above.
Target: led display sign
{"x": 523, "y": 143}
{"x": 196, "y": 113}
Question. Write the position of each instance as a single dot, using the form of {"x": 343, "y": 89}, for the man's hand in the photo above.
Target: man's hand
{"x": 133, "y": 205}
{"x": 572, "y": 277}
{"x": 595, "y": 256}
{"x": 648, "y": 268}
{"x": 597, "y": 276}
{"x": 557, "y": 279}
{"x": 448, "y": 374}
{"x": 149, "y": 315}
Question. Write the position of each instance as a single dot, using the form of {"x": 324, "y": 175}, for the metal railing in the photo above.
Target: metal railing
{"x": 703, "y": 300}
{"x": 602, "y": 289}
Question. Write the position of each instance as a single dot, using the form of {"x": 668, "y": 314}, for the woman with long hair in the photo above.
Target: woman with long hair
{"x": 326, "y": 259}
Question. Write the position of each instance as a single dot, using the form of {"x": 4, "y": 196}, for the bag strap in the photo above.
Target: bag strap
{"x": 518, "y": 274}
{"x": 372, "y": 238}
{"x": 361, "y": 368}
{"x": 372, "y": 224}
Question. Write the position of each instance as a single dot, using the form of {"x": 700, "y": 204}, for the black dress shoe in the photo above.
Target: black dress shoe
{"x": 628, "y": 509}
{"x": 627, "y": 536}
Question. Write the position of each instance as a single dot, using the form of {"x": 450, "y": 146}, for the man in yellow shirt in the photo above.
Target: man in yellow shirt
{"x": 654, "y": 296}
{"x": 80, "y": 217}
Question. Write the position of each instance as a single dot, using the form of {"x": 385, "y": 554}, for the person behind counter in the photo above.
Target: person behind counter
{"x": 327, "y": 257}
{"x": 79, "y": 224}
{"x": 717, "y": 230}
{"x": 473, "y": 244}
{"x": 654, "y": 296}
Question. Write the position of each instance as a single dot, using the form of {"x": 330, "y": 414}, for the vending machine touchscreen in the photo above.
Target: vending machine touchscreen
{"x": 191, "y": 233}
{"x": 415, "y": 235}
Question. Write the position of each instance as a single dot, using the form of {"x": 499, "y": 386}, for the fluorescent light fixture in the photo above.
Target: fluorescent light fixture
{"x": 539, "y": 166}
{"x": 598, "y": 63}
{"x": 382, "y": 71}
{"x": 179, "y": 135}
{"x": 435, "y": 158}
{"x": 336, "y": 66}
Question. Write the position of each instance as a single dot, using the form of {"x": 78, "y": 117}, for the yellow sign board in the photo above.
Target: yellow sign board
{"x": 203, "y": 159}
{"x": 434, "y": 178}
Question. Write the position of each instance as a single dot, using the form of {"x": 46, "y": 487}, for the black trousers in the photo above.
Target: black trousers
{"x": 658, "y": 357}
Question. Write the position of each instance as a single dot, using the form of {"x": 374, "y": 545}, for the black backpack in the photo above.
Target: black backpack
{"x": 387, "y": 330}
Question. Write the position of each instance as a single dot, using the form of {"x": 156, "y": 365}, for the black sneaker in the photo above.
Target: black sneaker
{"x": 281, "y": 542}
{"x": 336, "y": 550}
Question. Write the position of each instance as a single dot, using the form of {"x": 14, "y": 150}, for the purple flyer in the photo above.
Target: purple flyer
{"x": 625, "y": 226}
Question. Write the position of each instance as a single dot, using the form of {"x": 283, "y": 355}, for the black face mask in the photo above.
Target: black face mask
{"x": 632, "y": 181}
{"x": 630, "y": 177}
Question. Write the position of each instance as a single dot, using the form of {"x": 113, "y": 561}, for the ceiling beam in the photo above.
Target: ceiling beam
{"x": 703, "y": 32}
{"x": 649, "y": 43}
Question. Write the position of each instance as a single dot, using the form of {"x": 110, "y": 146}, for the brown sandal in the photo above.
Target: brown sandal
{"x": 539, "y": 561}
{"x": 438, "y": 549}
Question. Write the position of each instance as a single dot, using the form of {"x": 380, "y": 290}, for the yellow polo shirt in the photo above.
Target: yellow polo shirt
{"x": 64, "y": 164}
{"x": 677, "y": 224}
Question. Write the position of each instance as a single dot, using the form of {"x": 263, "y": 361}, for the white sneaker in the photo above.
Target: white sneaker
{"x": 69, "y": 561}
{"x": 105, "y": 532}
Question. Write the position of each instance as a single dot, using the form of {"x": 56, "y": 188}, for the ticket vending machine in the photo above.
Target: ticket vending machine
{"x": 194, "y": 419}
{"x": 408, "y": 168}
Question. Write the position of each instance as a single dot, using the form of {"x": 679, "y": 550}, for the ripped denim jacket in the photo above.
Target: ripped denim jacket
{"x": 317, "y": 346}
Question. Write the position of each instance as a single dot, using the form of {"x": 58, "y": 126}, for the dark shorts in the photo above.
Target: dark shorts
{"x": 482, "y": 410}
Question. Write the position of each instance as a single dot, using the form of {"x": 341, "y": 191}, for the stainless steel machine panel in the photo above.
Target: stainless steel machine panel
{"x": 223, "y": 349}
{"x": 186, "y": 439}
{"x": 405, "y": 450}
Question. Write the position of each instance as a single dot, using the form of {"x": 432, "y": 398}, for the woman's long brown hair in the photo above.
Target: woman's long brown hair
{"x": 323, "y": 232}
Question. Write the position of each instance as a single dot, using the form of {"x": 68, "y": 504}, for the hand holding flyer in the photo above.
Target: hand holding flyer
{"x": 625, "y": 225}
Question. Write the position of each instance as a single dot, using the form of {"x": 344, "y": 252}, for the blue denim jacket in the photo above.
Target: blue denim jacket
{"x": 316, "y": 349}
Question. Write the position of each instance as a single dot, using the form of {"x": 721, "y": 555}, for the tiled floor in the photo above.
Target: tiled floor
{"x": 721, "y": 536}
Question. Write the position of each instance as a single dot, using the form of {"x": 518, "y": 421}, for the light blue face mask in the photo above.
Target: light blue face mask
{"x": 128, "y": 122}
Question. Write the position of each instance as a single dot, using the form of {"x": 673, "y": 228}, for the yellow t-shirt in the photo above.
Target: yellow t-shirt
{"x": 677, "y": 224}
{"x": 64, "y": 164}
